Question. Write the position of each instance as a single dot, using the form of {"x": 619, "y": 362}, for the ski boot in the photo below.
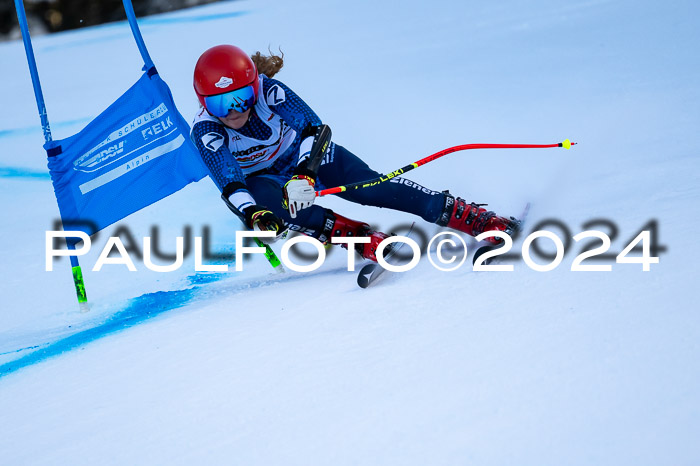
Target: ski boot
{"x": 344, "y": 226}
{"x": 473, "y": 219}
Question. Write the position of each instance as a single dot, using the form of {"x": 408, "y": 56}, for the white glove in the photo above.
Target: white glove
{"x": 299, "y": 193}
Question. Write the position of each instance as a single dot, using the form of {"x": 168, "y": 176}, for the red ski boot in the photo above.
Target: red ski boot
{"x": 344, "y": 226}
{"x": 472, "y": 219}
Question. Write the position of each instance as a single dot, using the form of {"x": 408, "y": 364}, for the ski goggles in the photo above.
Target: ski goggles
{"x": 239, "y": 100}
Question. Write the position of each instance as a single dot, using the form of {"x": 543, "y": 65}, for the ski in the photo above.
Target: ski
{"x": 520, "y": 223}
{"x": 370, "y": 272}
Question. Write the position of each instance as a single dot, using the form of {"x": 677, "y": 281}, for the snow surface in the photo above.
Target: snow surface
{"x": 427, "y": 367}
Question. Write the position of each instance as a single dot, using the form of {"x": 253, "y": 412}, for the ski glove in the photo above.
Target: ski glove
{"x": 264, "y": 219}
{"x": 299, "y": 193}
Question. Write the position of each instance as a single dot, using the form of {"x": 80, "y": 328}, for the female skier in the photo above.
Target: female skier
{"x": 267, "y": 151}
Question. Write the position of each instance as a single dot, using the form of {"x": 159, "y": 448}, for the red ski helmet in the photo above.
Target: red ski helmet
{"x": 221, "y": 70}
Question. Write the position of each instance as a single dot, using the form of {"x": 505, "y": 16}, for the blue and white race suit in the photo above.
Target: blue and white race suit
{"x": 250, "y": 165}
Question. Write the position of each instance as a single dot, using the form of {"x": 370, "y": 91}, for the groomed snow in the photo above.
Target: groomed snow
{"x": 428, "y": 367}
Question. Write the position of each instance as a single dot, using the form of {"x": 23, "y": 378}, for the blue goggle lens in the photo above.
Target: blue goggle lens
{"x": 239, "y": 100}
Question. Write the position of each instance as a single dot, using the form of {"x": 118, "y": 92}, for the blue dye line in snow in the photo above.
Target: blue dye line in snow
{"x": 37, "y": 128}
{"x": 203, "y": 278}
{"x": 144, "y": 22}
{"x": 192, "y": 19}
{"x": 137, "y": 311}
{"x": 20, "y": 350}
{"x": 13, "y": 172}
{"x": 126, "y": 33}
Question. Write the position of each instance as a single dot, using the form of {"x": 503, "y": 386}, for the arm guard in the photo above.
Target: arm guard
{"x": 315, "y": 141}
